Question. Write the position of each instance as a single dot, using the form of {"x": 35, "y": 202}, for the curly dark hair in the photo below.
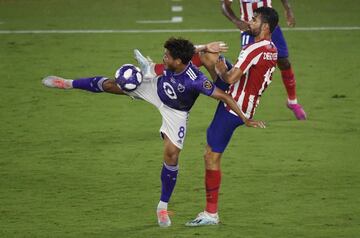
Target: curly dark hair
{"x": 180, "y": 48}
{"x": 268, "y": 15}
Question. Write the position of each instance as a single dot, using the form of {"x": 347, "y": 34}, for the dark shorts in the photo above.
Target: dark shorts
{"x": 277, "y": 37}
{"x": 221, "y": 128}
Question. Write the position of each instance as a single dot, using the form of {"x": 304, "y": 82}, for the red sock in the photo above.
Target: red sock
{"x": 288, "y": 78}
{"x": 159, "y": 69}
{"x": 196, "y": 60}
{"x": 212, "y": 185}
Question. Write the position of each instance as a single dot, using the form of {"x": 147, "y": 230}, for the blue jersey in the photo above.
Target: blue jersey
{"x": 180, "y": 91}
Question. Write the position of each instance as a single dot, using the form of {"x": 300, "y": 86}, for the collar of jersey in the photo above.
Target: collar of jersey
{"x": 188, "y": 65}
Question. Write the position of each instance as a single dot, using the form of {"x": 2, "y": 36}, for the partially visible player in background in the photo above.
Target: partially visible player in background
{"x": 173, "y": 94}
{"x": 247, "y": 8}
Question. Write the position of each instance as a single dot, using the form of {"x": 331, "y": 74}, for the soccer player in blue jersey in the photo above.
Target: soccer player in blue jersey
{"x": 173, "y": 93}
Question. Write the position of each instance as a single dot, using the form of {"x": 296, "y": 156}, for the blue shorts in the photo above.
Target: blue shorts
{"x": 221, "y": 128}
{"x": 277, "y": 37}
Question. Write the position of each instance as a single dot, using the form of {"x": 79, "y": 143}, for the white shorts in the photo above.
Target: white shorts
{"x": 174, "y": 122}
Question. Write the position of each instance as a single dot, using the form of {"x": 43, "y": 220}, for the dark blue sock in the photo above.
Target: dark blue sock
{"x": 168, "y": 181}
{"x": 93, "y": 84}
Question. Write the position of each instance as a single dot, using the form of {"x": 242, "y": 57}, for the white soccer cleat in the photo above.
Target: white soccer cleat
{"x": 163, "y": 218}
{"x": 146, "y": 65}
{"x": 204, "y": 219}
{"x": 57, "y": 82}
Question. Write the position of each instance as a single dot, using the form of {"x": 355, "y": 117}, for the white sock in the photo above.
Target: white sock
{"x": 70, "y": 82}
{"x": 292, "y": 101}
{"x": 212, "y": 214}
{"x": 162, "y": 205}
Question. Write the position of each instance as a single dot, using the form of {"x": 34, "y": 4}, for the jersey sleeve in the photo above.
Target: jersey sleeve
{"x": 247, "y": 58}
{"x": 204, "y": 86}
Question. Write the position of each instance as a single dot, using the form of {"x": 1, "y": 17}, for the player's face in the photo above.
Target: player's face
{"x": 169, "y": 62}
{"x": 255, "y": 25}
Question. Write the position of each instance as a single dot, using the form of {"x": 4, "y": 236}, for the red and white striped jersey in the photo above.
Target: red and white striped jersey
{"x": 257, "y": 62}
{"x": 247, "y": 7}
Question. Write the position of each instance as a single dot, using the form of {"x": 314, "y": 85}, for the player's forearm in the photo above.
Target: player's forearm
{"x": 286, "y": 5}
{"x": 200, "y": 48}
{"x": 229, "y": 13}
{"x": 226, "y": 98}
{"x": 228, "y": 77}
{"x": 232, "y": 104}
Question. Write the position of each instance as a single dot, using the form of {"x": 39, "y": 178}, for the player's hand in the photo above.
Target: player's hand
{"x": 290, "y": 18}
{"x": 220, "y": 66}
{"x": 242, "y": 25}
{"x": 255, "y": 124}
{"x": 216, "y": 47}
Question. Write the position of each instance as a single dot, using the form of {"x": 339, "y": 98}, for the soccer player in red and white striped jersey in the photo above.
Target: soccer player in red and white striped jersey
{"x": 247, "y": 8}
{"x": 257, "y": 63}
{"x": 248, "y": 79}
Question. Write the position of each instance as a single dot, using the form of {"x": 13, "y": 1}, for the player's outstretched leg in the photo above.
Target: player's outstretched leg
{"x": 146, "y": 65}
{"x": 204, "y": 219}
{"x": 92, "y": 84}
{"x": 57, "y": 82}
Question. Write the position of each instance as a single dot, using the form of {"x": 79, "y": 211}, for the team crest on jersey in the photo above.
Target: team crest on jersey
{"x": 181, "y": 88}
{"x": 242, "y": 54}
{"x": 207, "y": 84}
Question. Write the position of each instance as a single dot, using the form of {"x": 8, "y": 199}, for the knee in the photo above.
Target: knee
{"x": 284, "y": 63}
{"x": 171, "y": 159}
{"x": 211, "y": 159}
{"x": 108, "y": 84}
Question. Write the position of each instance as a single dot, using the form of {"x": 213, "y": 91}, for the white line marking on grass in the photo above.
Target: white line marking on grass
{"x": 176, "y": 8}
{"x": 173, "y": 20}
{"x": 330, "y": 28}
{"x": 177, "y": 19}
{"x": 130, "y": 31}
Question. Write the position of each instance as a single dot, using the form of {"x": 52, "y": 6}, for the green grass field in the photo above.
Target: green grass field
{"x": 76, "y": 164}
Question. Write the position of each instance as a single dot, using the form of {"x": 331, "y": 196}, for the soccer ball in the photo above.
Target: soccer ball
{"x": 128, "y": 77}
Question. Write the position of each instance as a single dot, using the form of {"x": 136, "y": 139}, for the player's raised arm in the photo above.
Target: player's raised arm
{"x": 226, "y": 98}
{"x": 229, "y": 13}
{"x": 290, "y": 18}
{"x": 231, "y": 76}
{"x": 212, "y": 47}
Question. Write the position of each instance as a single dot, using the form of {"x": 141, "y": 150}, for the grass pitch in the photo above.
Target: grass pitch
{"x": 76, "y": 164}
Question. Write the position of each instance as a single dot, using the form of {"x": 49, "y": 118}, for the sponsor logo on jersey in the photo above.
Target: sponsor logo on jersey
{"x": 207, "y": 84}
{"x": 181, "y": 88}
{"x": 169, "y": 90}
